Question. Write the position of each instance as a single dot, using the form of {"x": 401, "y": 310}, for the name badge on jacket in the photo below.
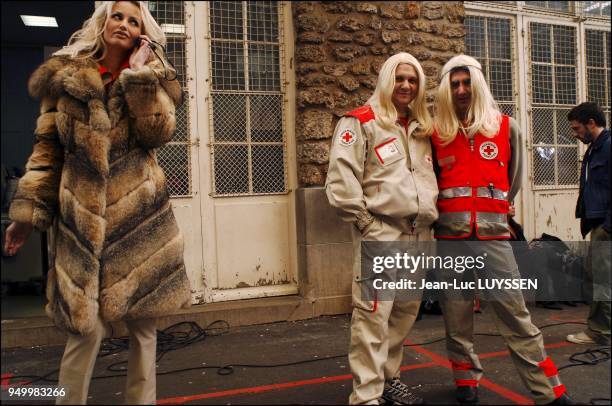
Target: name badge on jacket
{"x": 387, "y": 152}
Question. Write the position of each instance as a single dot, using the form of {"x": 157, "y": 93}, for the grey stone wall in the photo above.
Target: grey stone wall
{"x": 340, "y": 47}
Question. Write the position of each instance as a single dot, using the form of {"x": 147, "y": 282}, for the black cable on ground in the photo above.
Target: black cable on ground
{"x": 591, "y": 356}
{"x": 172, "y": 338}
{"x": 169, "y": 339}
{"x": 596, "y": 401}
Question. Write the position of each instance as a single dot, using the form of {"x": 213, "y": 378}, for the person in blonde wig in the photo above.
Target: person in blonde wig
{"x": 381, "y": 180}
{"x": 483, "y": 114}
{"x": 381, "y": 100}
{"x": 88, "y": 42}
{"x": 477, "y": 151}
{"x": 93, "y": 178}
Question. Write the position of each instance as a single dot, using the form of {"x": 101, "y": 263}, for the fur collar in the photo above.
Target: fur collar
{"x": 79, "y": 78}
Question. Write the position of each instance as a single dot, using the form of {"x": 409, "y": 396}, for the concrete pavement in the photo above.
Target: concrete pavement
{"x": 326, "y": 380}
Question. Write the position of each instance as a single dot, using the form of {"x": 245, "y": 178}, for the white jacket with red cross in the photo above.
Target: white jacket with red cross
{"x": 381, "y": 172}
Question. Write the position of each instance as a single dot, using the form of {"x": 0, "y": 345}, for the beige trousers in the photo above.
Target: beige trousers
{"x": 378, "y": 328}
{"x": 523, "y": 339}
{"x": 80, "y": 356}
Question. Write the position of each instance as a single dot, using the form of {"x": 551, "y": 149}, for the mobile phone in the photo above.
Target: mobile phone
{"x": 138, "y": 40}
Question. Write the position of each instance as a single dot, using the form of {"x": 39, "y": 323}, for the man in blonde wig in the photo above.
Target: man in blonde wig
{"x": 381, "y": 179}
{"x": 478, "y": 163}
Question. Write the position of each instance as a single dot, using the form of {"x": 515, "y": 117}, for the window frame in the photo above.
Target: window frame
{"x": 513, "y": 60}
{"x": 187, "y": 141}
{"x": 522, "y": 16}
{"x": 554, "y": 105}
{"x": 281, "y": 93}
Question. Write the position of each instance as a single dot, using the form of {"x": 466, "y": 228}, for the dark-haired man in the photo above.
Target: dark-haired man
{"x": 478, "y": 156}
{"x": 588, "y": 124}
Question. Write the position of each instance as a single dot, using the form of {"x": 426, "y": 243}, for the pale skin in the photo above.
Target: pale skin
{"x": 461, "y": 90}
{"x": 405, "y": 89}
{"x": 123, "y": 26}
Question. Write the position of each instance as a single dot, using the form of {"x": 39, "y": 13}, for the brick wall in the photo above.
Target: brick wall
{"x": 340, "y": 47}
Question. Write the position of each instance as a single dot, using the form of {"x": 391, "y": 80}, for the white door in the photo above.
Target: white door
{"x": 540, "y": 70}
{"x": 553, "y": 88}
{"x": 180, "y": 157}
{"x": 246, "y": 157}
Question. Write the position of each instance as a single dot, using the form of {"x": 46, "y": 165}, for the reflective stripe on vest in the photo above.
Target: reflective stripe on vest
{"x": 459, "y": 222}
{"x": 455, "y": 217}
{"x": 452, "y": 192}
{"x": 474, "y": 179}
{"x": 491, "y": 193}
{"x": 482, "y": 217}
{"x": 492, "y": 224}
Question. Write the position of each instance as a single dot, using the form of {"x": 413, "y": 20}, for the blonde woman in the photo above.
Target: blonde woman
{"x": 93, "y": 177}
{"x": 478, "y": 156}
{"x": 381, "y": 179}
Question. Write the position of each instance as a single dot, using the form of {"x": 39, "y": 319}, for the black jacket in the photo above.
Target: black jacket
{"x": 594, "y": 199}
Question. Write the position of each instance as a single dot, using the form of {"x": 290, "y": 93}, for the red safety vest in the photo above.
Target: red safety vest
{"x": 473, "y": 183}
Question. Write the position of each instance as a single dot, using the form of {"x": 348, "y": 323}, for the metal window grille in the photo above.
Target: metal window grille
{"x": 493, "y": 3}
{"x": 489, "y": 40}
{"x": 596, "y": 8}
{"x": 560, "y": 6}
{"x": 553, "y": 91}
{"x": 247, "y": 98}
{"x": 175, "y": 156}
{"x": 598, "y": 69}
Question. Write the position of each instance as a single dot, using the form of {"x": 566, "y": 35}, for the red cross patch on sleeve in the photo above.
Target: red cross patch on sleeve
{"x": 347, "y": 138}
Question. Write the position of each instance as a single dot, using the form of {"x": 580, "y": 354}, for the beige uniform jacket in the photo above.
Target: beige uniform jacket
{"x": 375, "y": 172}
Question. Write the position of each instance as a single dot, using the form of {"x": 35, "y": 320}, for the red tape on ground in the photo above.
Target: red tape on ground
{"x": 492, "y": 386}
{"x": 438, "y": 361}
{"x": 277, "y": 386}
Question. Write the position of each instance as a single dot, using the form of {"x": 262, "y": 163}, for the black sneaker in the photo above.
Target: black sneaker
{"x": 398, "y": 393}
{"x": 467, "y": 395}
{"x": 562, "y": 400}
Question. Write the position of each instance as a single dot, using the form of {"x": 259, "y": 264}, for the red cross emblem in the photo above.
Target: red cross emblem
{"x": 488, "y": 150}
{"x": 347, "y": 138}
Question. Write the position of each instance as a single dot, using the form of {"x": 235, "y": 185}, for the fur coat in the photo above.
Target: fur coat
{"x": 93, "y": 176}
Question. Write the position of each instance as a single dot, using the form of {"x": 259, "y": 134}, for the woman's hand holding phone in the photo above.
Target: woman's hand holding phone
{"x": 141, "y": 52}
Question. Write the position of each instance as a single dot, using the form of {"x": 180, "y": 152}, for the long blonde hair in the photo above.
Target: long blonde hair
{"x": 484, "y": 113}
{"x": 88, "y": 42}
{"x": 382, "y": 104}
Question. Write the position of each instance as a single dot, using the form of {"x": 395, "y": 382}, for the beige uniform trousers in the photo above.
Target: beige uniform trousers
{"x": 81, "y": 353}
{"x": 523, "y": 338}
{"x": 378, "y": 329}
